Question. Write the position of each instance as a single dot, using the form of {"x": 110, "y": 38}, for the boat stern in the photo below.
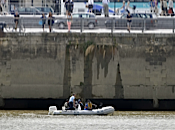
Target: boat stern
{"x": 52, "y": 109}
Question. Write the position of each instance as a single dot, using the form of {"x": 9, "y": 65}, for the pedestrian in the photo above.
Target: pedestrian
{"x": 16, "y": 19}
{"x": 90, "y": 5}
{"x": 3, "y": 3}
{"x": 161, "y": 6}
{"x": 156, "y": 10}
{"x": 43, "y": 21}
{"x": 129, "y": 21}
{"x": 69, "y": 20}
{"x": 123, "y": 9}
{"x": 50, "y": 21}
{"x": 57, "y": 6}
{"x": 151, "y": 3}
{"x": 105, "y": 7}
{"x": 165, "y": 8}
{"x": 170, "y": 5}
{"x": 69, "y": 6}
{"x": 128, "y": 6}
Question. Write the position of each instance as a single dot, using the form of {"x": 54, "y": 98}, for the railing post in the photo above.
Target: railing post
{"x": 82, "y": 24}
{"x": 20, "y": 24}
{"x": 143, "y": 29}
{"x": 173, "y": 25}
{"x": 112, "y": 25}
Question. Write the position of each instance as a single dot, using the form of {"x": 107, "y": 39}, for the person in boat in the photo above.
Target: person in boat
{"x": 89, "y": 105}
{"x": 72, "y": 102}
{"x": 66, "y": 104}
{"x": 81, "y": 104}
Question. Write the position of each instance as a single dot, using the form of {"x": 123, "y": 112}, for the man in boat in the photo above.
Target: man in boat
{"x": 72, "y": 102}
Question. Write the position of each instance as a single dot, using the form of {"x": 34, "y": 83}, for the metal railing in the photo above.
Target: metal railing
{"x": 101, "y": 24}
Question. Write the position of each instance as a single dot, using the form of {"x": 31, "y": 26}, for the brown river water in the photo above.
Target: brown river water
{"x": 120, "y": 120}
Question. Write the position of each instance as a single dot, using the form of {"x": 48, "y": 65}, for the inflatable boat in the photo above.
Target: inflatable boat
{"x": 101, "y": 111}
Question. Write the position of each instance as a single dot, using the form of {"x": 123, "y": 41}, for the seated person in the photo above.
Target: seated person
{"x": 88, "y": 105}
{"x": 81, "y": 104}
{"x": 66, "y": 104}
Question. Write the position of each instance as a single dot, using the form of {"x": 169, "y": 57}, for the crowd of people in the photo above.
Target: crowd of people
{"x": 72, "y": 104}
{"x": 166, "y": 9}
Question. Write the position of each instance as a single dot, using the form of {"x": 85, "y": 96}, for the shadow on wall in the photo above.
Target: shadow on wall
{"x": 103, "y": 54}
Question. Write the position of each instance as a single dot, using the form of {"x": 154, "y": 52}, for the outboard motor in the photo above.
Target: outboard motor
{"x": 52, "y": 109}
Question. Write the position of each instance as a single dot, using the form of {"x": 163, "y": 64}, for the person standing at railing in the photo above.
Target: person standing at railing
{"x": 90, "y": 5}
{"x": 105, "y": 7}
{"x": 16, "y": 19}
{"x": 170, "y": 5}
{"x": 43, "y": 21}
{"x": 129, "y": 21}
{"x": 69, "y": 16}
{"x": 50, "y": 21}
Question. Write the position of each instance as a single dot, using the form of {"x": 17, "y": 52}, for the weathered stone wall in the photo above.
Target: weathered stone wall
{"x": 129, "y": 66}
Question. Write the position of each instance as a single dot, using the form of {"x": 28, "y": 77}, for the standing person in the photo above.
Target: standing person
{"x": 170, "y": 5}
{"x": 123, "y": 9}
{"x": 72, "y": 102}
{"x": 3, "y": 3}
{"x": 151, "y": 3}
{"x": 105, "y": 7}
{"x": 69, "y": 6}
{"x": 128, "y": 6}
{"x": 156, "y": 7}
{"x": 129, "y": 17}
{"x": 16, "y": 19}
{"x": 57, "y": 6}
{"x": 161, "y": 6}
{"x": 90, "y": 5}
{"x": 43, "y": 21}
{"x": 165, "y": 7}
{"x": 50, "y": 21}
{"x": 69, "y": 20}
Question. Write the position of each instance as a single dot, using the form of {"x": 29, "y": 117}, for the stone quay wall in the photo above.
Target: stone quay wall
{"x": 96, "y": 66}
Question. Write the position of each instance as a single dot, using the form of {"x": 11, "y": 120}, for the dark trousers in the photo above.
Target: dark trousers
{"x": 71, "y": 106}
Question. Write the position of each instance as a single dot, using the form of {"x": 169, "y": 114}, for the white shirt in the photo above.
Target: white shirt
{"x": 90, "y": 2}
{"x": 105, "y": 2}
{"x": 71, "y": 99}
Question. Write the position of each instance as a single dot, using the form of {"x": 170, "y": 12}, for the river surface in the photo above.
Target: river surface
{"x": 121, "y": 120}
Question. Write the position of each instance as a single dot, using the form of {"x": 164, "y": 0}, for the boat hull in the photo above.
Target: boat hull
{"x": 102, "y": 111}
